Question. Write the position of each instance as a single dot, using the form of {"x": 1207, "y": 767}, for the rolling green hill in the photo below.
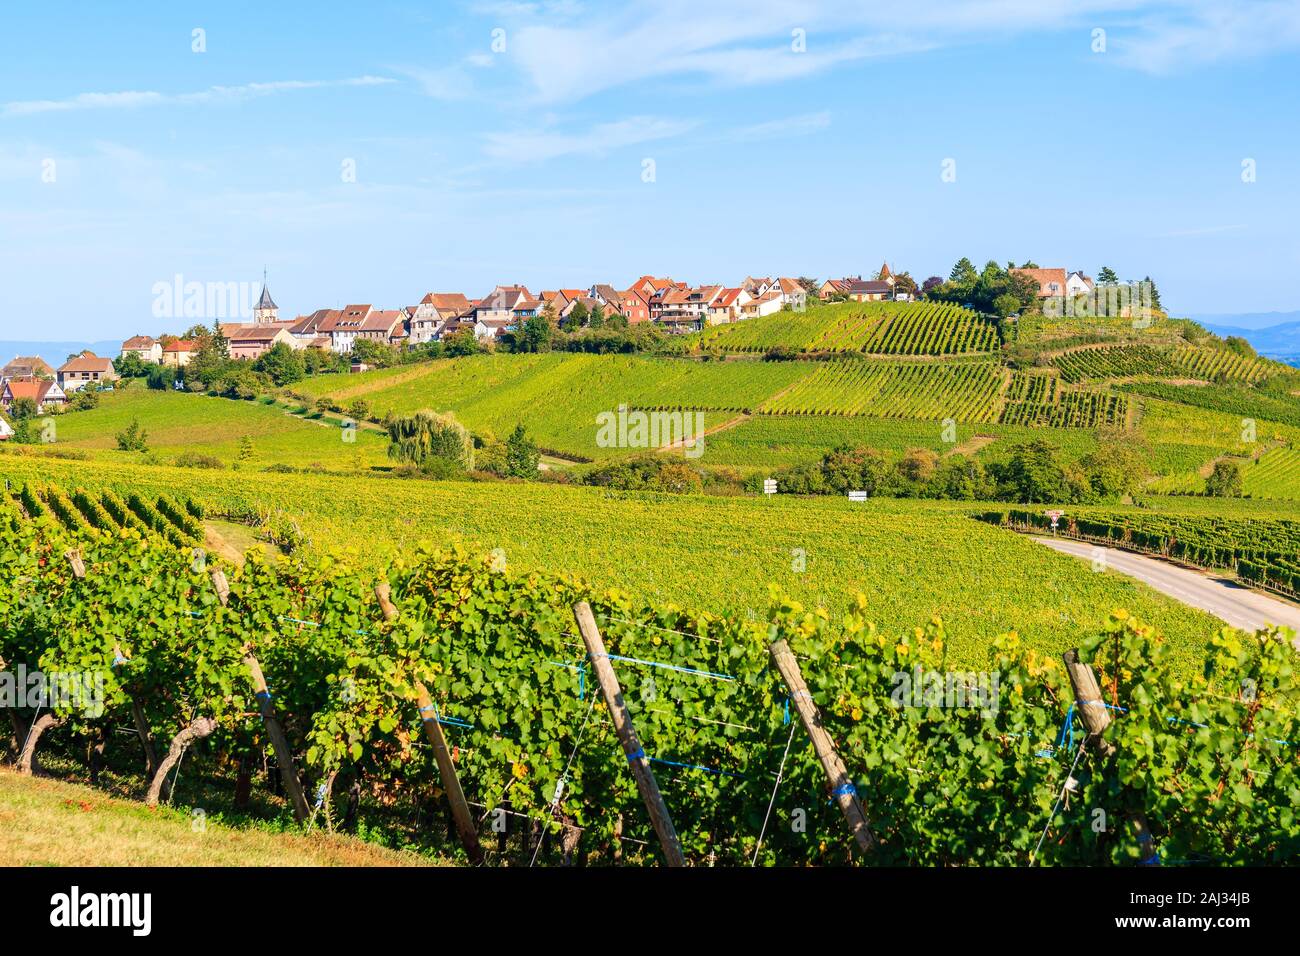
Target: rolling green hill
{"x": 177, "y": 423}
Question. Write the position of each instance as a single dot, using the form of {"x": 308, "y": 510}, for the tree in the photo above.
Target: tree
{"x": 1225, "y": 481}
{"x": 578, "y": 315}
{"x": 1106, "y": 276}
{"x": 522, "y": 456}
{"x": 245, "y": 448}
{"x": 283, "y": 363}
{"x": 537, "y": 332}
{"x": 904, "y": 283}
{"x": 133, "y": 438}
{"x": 1034, "y": 474}
{"x": 1005, "y": 305}
{"x": 160, "y": 378}
{"x": 131, "y": 365}
{"x": 808, "y": 284}
{"x": 84, "y": 399}
{"x": 1117, "y": 467}
{"x": 198, "y": 334}
{"x": 426, "y": 437}
{"x": 23, "y": 409}
{"x": 1239, "y": 345}
{"x": 210, "y": 362}
{"x": 373, "y": 353}
{"x": 930, "y": 284}
{"x": 963, "y": 273}
{"x": 1154, "y": 293}
{"x": 464, "y": 342}
{"x": 918, "y": 464}
{"x": 597, "y": 319}
{"x": 959, "y": 478}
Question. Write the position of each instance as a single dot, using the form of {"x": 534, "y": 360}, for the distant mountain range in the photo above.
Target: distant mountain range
{"x": 1275, "y": 334}
{"x": 56, "y": 353}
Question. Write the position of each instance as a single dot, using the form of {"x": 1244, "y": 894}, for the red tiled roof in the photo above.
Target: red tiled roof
{"x": 87, "y": 362}
{"x": 1045, "y": 278}
{"x": 137, "y": 342}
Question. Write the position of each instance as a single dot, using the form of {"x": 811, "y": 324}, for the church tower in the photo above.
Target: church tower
{"x": 266, "y": 311}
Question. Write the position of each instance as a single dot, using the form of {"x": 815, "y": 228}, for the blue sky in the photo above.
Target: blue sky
{"x": 526, "y": 163}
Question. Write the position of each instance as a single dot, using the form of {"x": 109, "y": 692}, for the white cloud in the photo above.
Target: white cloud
{"x": 1208, "y": 32}
{"x": 568, "y": 55}
{"x": 539, "y": 145}
{"x": 137, "y": 98}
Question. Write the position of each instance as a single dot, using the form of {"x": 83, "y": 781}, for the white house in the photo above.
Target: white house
{"x": 1076, "y": 283}
{"x": 433, "y": 312}
{"x": 144, "y": 347}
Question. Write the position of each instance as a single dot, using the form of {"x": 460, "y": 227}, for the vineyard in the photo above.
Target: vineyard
{"x": 1275, "y": 474}
{"x": 882, "y": 328}
{"x": 891, "y": 329}
{"x": 1218, "y": 363}
{"x": 1265, "y": 552}
{"x": 465, "y": 706}
{"x": 1037, "y": 399}
{"x": 1230, "y": 399}
{"x": 954, "y": 564}
{"x": 1084, "y": 364}
{"x": 967, "y": 392}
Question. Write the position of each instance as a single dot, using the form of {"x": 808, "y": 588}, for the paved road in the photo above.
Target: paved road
{"x": 1241, "y": 607}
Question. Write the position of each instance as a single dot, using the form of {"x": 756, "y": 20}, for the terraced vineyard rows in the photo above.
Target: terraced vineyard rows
{"x": 1210, "y": 363}
{"x": 967, "y": 393}
{"x": 1037, "y": 398}
{"x": 883, "y": 328}
{"x": 1120, "y": 362}
{"x": 910, "y": 329}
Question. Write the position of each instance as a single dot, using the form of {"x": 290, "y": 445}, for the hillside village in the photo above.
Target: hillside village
{"x": 668, "y": 306}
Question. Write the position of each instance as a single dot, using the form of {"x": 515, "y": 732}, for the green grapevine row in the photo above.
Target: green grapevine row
{"x": 943, "y": 781}
{"x": 1212, "y": 363}
{"x": 1036, "y": 398}
{"x": 1117, "y": 362}
{"x": 966, "y": 392}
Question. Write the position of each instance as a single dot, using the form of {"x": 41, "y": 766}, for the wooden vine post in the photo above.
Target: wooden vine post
{"x": 837, "y": 775}
{"x": 636, "y": 758}
{"x": 283, "y": 752}
{"x": 1096, "y": 718}
{"x": 460, "y": 812}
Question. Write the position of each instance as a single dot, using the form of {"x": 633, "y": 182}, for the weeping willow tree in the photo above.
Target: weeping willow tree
{"x": 427, "y": 437}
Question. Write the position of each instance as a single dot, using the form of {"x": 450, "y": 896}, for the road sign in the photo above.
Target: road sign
{"x": 1056, "y": 517}
{"x": 857, "y": 496}
{"x": 769, "y": 486}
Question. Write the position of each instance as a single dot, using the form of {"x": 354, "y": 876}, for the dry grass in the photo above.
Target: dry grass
{"x": 47, "y": 822}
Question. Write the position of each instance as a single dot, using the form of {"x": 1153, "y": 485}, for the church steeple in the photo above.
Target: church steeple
{"x": 266, "y": 311}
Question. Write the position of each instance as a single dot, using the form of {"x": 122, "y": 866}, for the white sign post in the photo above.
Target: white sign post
{"x": 857, "y": 496}
{"x": 1056, "y": 517}
{"x": 769, "y": 486}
